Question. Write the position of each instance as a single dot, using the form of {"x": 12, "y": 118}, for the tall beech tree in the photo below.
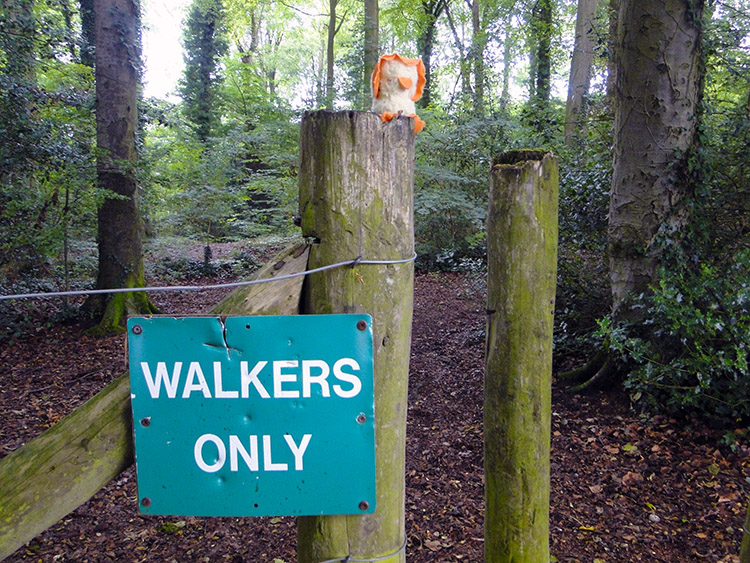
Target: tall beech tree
{"x": 659, "y": 81}
{"x": 119, "y": 221}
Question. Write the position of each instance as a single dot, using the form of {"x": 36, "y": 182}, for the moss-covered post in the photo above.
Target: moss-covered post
{"x": 356, "y": 186}
{"x": 745, "y": 547}
{"x": 522, "y": 267}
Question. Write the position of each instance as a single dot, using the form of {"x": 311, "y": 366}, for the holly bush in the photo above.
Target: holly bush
{"x": 689, "y": 352}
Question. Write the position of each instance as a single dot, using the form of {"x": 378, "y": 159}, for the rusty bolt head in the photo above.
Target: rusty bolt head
{"x": 361, "y": 325}
{"x": 364, "y": 505}
{"x": 137, "y": 329}
{"x": 145, "y": 501}
{"x": 361, "y": 418}
{"x": 146, "y": 421}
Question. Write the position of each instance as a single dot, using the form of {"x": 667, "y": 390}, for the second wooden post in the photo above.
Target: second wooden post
{"x": 356, "y": 189}
{"x": 522, "y": 267}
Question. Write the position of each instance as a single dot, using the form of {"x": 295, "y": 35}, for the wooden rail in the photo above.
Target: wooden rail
{"x": 49, "y": 477}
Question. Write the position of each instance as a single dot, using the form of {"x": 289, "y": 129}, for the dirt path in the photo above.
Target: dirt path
{"x": 624, "y": 487}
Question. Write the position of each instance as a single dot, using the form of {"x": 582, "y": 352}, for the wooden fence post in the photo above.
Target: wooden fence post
{"x": 745, "y": 545}
{"x": 522, "y": 269}
{"x": 356, "y": 188}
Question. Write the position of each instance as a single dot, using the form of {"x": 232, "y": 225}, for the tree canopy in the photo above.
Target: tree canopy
{"x": 220, "y": 162}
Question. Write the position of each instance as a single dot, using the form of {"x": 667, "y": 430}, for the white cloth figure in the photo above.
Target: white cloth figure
{"x": 397, "y": 83}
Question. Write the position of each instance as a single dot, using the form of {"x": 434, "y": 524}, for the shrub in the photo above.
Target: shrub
{"x": 689, "y": 354}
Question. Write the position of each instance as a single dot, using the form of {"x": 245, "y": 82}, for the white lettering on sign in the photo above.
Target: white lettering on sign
{"x": 218, "y": 384}
{"x": 162, "y": 378}
{"x": 286, "y": 379}
{"x": 237, "y": 450}
{"x": 348, "y": 377}
{"x": 252, "y": 377}
{"x": 320, "y": 379}
{"x": 280, "y": 378}
{"x": 190, "y": 385}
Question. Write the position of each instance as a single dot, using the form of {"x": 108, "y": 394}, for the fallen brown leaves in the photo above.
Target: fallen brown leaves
{"x": 625, "y": 487}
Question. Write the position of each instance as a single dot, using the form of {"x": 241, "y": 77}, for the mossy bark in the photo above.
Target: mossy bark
{"x": 65, "y": 466}
{"x": 273, "y": 298}
{"x": 745, "y": 547}
{"x": 356, "y": 187}
{"x": 120, "y": 227}
{"x": 522, "y": 267}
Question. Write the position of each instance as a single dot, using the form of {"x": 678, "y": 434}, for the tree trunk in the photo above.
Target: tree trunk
{"x": 507, "y": 61}
{"x": 659, "y": 80}
{"x": 372, "y": 37}
{"x": 356, "y": 182}
{"x": 426, "y": 42}
{"x": 119, "y": 237}
{"x": 464, "y": 63}
{"x": 542, "y": 29}
{"x": 478, "y": 43}
{"x": 522, "y": 267}
{"x": 88, "y": 33}
{"x": 319, "y": 85}
{"x": 580, "y": 71}
{"x": 330, "y": 94}
{"x": 204, "y": 45}
{"x": 613, "y": 9}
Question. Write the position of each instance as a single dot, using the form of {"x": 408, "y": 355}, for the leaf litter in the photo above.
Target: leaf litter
{"x": 624, "y": 486}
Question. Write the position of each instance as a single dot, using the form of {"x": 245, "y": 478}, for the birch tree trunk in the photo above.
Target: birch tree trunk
{"x": 356, "y": 184}
{"x": 521, "y": 278}
{"x": 330, "y": 93}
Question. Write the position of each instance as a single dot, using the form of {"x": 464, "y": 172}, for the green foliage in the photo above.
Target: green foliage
{"x": 204, "y": 46}
{"x": 47, "y": 180}
{"x": 583, "y": 293}
{"x": 690, "y": 352}
{"x": 451, "y": 186}
{"x": 239, "y": 185}
{"x": 584, "y": 199}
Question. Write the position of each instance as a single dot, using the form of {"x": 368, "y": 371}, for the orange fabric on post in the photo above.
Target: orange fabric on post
{"x": 410, "y": 62}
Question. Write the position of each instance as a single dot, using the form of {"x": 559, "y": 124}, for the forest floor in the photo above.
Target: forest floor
{"x": 624, "y": 486}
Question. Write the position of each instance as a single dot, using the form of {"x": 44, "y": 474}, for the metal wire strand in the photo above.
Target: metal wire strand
{"x": 349, "y": 559}
{"x": 351, "y": 263}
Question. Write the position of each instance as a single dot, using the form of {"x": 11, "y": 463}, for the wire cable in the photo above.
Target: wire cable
{"x": 351, "y": 263}
{"x": 349, "y": 559}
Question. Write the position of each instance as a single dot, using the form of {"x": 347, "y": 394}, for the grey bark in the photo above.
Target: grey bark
{"x": 659, "y": 81}
{"x": 580, "y": 71}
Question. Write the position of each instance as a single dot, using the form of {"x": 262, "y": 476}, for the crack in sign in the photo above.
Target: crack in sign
{"x": 225, "y": 343}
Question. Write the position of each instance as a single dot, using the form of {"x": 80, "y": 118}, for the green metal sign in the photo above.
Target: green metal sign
{"x": 253, "y": 416}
